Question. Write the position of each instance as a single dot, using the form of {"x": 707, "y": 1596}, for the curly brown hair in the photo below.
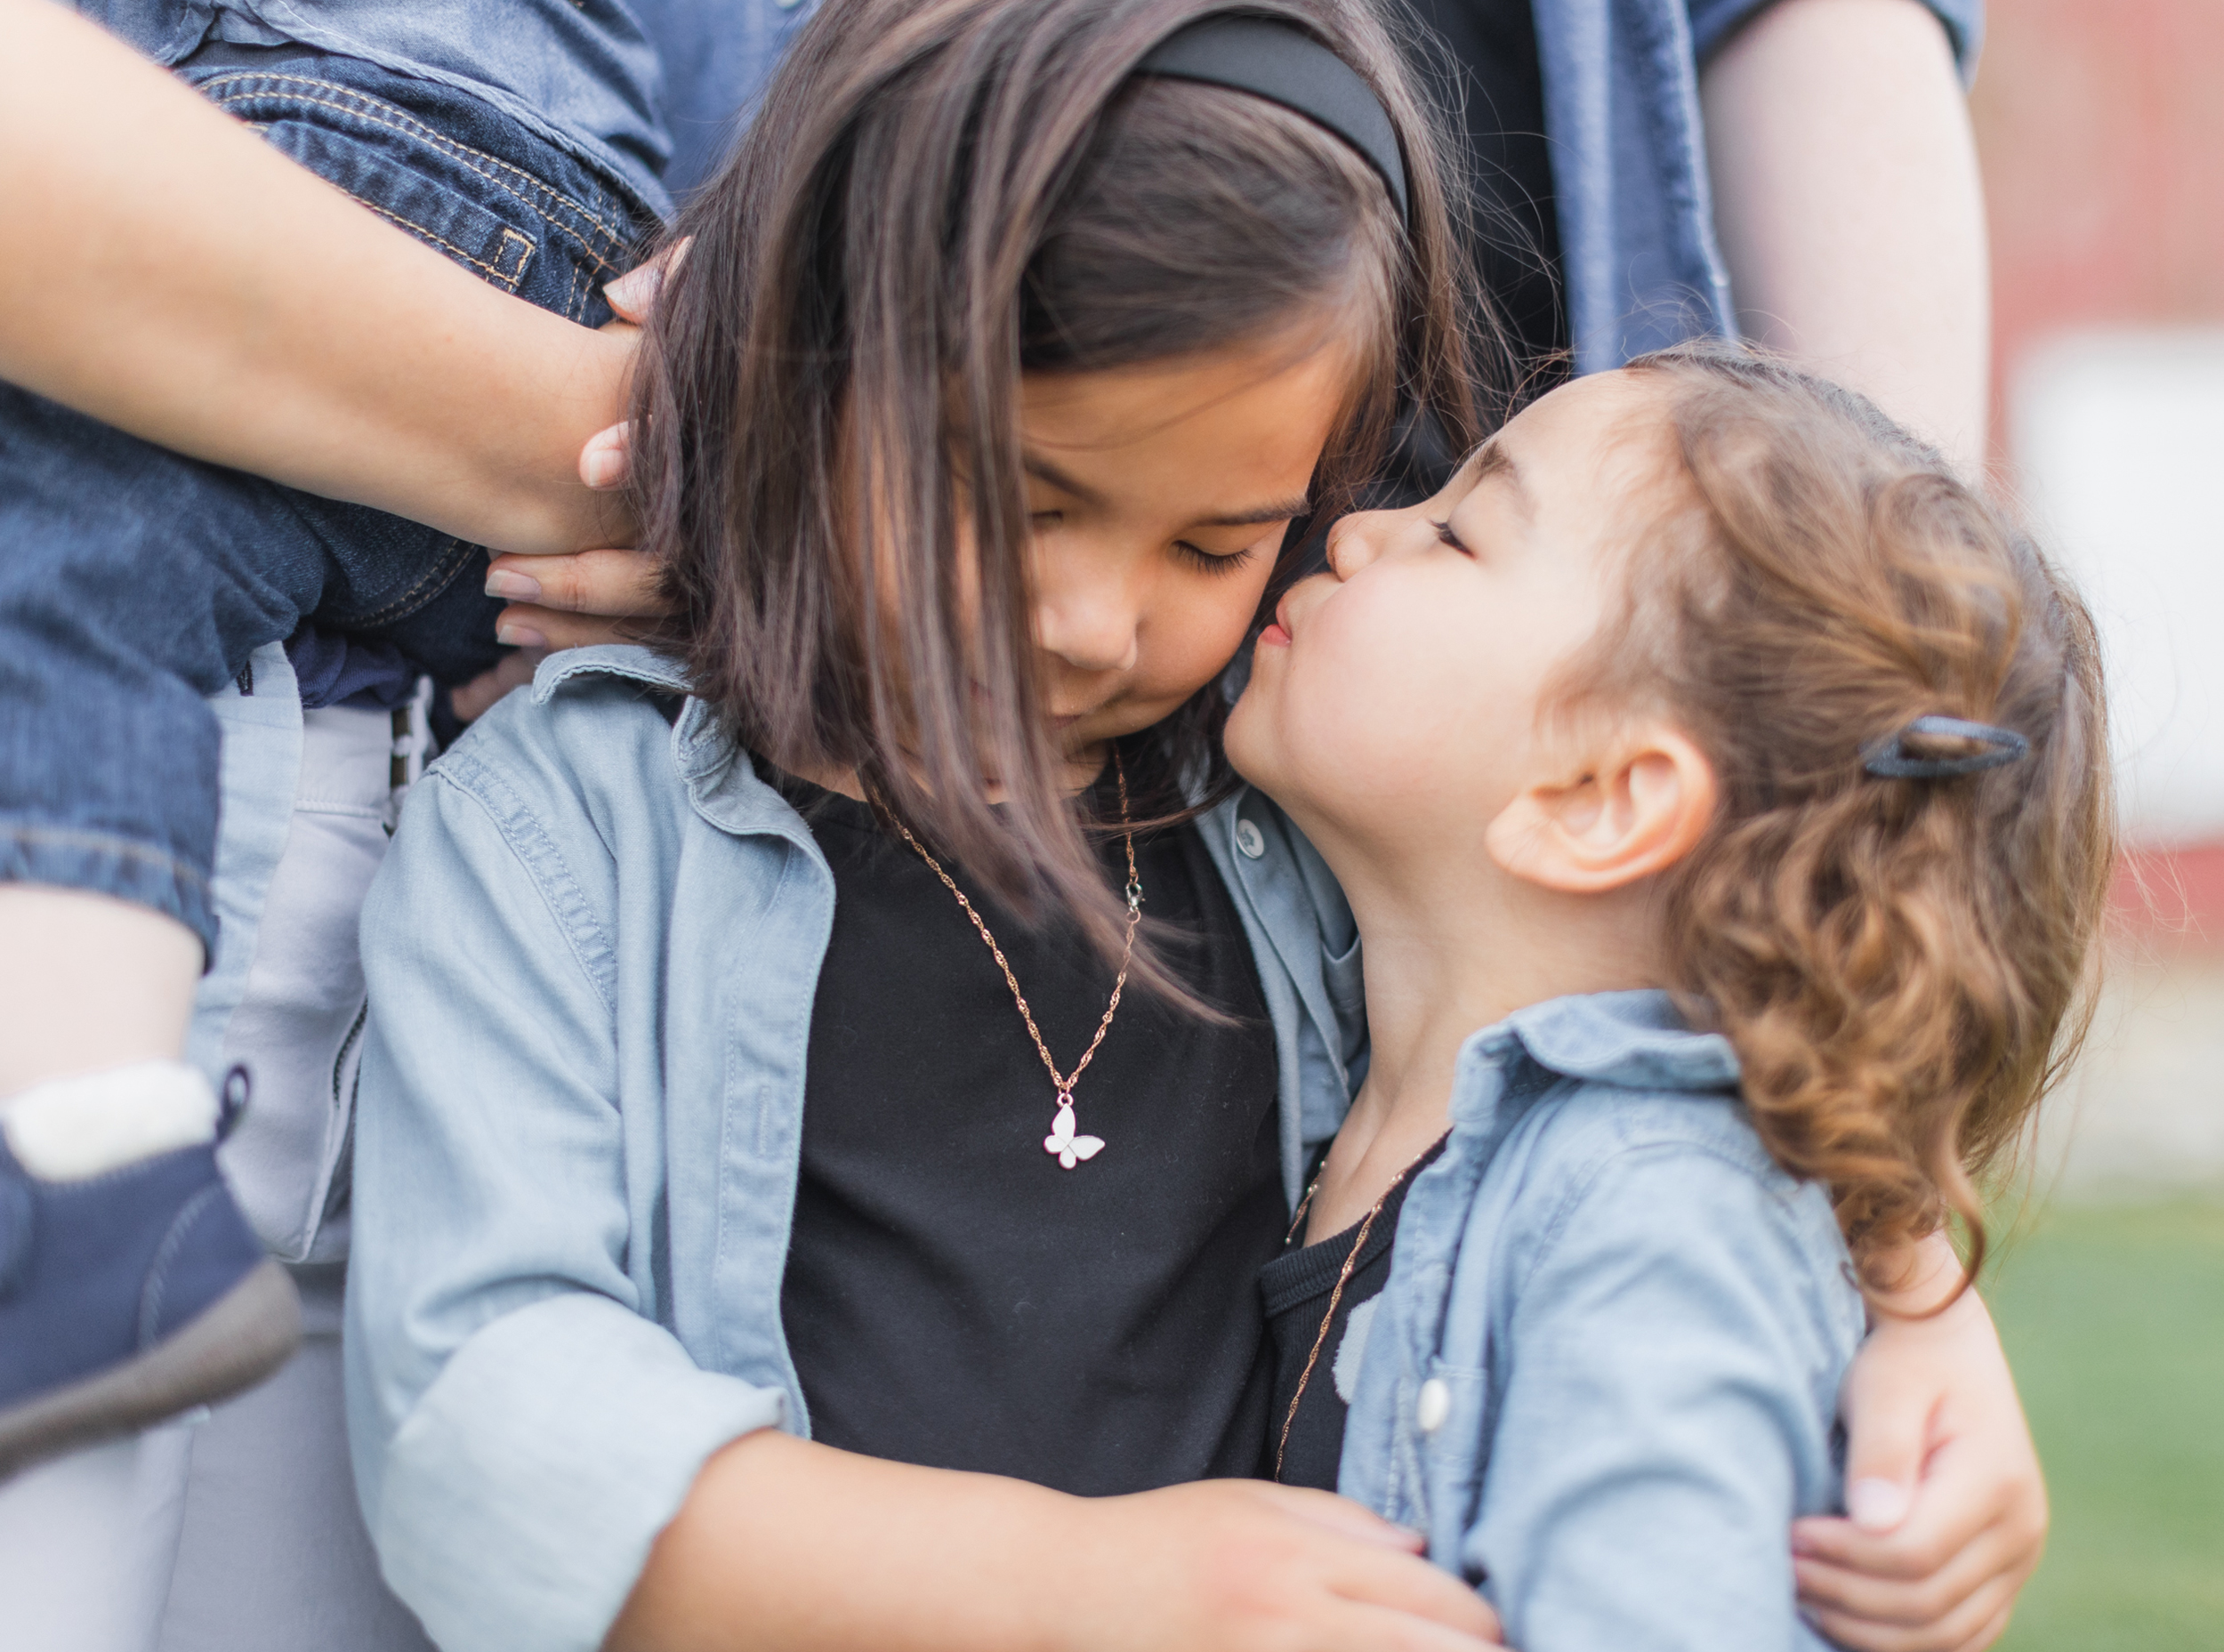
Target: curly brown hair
{"x": 1899, "y": 963}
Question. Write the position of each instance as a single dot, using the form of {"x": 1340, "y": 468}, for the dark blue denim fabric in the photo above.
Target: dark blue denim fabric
{"x": 581, "y": 74}
{"x": 133, "y": 582}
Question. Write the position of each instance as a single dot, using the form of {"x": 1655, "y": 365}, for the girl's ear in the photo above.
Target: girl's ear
{"x": 1639, "y": 808}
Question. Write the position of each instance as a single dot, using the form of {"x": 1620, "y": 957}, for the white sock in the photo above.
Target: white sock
{"x": 68, "y": 1129}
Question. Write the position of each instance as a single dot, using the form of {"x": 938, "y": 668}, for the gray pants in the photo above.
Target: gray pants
{"x": 236, "y": 1531}
{"x": 273, "y": 1556}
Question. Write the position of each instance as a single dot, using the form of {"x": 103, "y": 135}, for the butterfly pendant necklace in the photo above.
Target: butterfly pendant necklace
{"x": 1062, "y": 1144}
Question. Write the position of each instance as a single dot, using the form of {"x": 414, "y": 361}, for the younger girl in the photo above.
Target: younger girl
{"x": 1740, "y": 777}
{"x": 784, "y": 1176}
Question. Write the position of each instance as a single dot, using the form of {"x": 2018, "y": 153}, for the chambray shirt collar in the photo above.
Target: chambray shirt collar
{"x": 1634, "y": 1040}
{"x": 1637, "y": 1040}
{"x": 722, "y": 784}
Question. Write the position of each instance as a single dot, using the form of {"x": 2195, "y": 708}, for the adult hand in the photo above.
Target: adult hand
{"x": 1947, "y": 1507}
{"x": 573, "y": 601}
{"x": 568, "y": 601}
{"x": 590, "y": 596}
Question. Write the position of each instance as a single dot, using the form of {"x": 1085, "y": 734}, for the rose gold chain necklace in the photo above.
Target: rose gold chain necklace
{"x": 1343, "y": 1277}
{"x": 1062, "y": 1144}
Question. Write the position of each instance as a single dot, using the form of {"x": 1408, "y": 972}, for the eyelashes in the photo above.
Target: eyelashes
{"x": 1214, "y": 567}
{"x": 1447, "y": 537}
{"x": 1203, "y": 561}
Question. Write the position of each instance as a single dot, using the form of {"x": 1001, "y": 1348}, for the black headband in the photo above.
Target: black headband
{"x": 1282, "y": 63}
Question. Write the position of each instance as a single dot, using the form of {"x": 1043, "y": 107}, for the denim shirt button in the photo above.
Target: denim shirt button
{"x": 1432, "y": 1405}
{"x": 1250, "y": 839}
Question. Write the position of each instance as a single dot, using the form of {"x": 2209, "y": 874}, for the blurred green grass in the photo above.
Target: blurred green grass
{"x": 2113, "y": 1319}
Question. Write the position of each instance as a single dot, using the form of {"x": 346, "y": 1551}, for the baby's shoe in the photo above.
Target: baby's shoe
{"x": 130, "y": 1287}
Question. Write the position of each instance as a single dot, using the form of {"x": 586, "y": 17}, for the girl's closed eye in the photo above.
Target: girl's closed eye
{"x": 1217, "y": 564}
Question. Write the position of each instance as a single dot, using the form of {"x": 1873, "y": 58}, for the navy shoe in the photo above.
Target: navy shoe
{"x": 128, "y": 1298}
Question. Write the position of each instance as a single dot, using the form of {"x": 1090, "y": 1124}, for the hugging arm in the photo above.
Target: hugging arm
{"x": 192, "y": 286}
{"x": 1940, "y": 1469}
{"x": 1663, "y": 1408}
{"x": 1846, "y": 201}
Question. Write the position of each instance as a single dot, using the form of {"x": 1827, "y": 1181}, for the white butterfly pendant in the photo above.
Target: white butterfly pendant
{"x": 1068, "y": 1148}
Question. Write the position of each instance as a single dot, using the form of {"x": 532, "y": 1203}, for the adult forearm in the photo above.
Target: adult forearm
{"x": 1849, "y": 208}
{"x": 173, "y": 276}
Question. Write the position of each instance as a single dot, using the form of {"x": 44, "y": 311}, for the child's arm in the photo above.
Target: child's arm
{"x": 174, "y": 276}
{"x": 1847, "y": 204}
{"x": 787, "y": 1546}
{"x": 1941, "y": 1469}
{"x": 1665, "y": 1376}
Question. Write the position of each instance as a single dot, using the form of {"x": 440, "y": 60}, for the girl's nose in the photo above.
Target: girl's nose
{"x": 1091, "y": 627}
{"x": 1357, "y": 540}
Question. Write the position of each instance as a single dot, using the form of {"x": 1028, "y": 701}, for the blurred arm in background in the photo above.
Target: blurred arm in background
{"x": 1849, "y": 210}
{"x": 171, "y": 274}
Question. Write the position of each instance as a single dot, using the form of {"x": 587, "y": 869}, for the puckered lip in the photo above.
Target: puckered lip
{"x": 1276, "y": 635}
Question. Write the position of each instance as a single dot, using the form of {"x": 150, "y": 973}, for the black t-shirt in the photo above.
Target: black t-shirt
{"x": 954, "y": 1297}
{"x": 1297, "y": 1287}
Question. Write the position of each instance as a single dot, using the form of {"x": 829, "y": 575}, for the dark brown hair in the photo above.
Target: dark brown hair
{"x": 937, "y": 197}
{"x": 1899, "y": 963}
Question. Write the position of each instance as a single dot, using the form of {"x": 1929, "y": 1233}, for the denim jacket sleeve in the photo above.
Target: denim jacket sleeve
{"x": 523, "y": 1426}
{"x": 1662, "y": 1361}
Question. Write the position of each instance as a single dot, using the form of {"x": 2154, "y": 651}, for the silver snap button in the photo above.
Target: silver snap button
{"x": 1432, "y": 1405}
{"x": 1250, "y": 839}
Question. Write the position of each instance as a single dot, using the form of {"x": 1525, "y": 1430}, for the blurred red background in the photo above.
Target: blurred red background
{"x": 2099, "y": 123}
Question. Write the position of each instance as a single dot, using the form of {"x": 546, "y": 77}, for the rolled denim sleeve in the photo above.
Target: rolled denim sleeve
{"x": 521, "y": 1427}
{"x": 1715, "y": 21}
{"x": 1666, "y": 1391}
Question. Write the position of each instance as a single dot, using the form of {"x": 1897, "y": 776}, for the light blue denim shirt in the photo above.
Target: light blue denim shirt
{"x": 1603, "y": 1376}
{"x": 592, "y": 955}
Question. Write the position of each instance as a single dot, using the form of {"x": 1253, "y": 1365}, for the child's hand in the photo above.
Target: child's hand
{"x": 1948, "y": 1510}
{"x": 1230, "y": 1566}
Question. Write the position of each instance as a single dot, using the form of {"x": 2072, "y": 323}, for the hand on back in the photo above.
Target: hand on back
{"x": 587, "y": 597}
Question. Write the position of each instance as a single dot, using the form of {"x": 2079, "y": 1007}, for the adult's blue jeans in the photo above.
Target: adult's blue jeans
{"x": 135, "y": 582}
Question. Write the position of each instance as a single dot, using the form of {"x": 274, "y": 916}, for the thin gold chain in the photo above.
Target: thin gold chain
{"x": 1065, "y": 1083}
{"x": 1343, "y": 1277}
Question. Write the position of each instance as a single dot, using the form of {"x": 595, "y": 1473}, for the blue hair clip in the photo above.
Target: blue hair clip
{"x": 1889, "y": 759}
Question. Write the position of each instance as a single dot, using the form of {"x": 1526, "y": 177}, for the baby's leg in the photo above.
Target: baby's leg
{"x": 107, "y": 821}
{"x": 88, "y": 981}
{"x": 136, "y": 583}
{"x": 133, "y": 584}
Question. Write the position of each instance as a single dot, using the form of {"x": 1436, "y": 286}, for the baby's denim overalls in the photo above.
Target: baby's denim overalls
{"x": 522, "y": 139}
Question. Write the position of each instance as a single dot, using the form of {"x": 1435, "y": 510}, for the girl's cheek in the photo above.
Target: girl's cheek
{"x": 1211, "y": 626}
